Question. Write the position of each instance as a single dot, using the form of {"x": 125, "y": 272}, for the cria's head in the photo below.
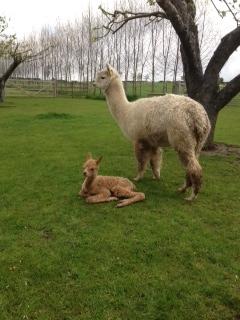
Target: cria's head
{"x": 104, "y": 77}
{"x": 90, "y": 167}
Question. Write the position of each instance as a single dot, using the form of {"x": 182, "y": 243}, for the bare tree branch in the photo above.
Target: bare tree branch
{"x": 228, "y": 92}
{"x": 229, "y": 8}
{"x": 231, "y": 11}
{"x": 227, "y": 46}
{"x": 19, "y": 56}
{"x": 118, "y": 19}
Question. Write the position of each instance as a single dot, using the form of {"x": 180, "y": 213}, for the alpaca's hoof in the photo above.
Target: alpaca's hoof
{"x": 182, "y": 189}
{"x": 137, "y": 178}
{"x": 156, "y": 178}
{"x": 191, "y": 198}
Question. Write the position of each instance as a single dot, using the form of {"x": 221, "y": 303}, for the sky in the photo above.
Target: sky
{"x": 27, "y": 16}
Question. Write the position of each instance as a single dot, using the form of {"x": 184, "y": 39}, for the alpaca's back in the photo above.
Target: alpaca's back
{"x": 169, "y": 120}
{"x": 111, "y": 181}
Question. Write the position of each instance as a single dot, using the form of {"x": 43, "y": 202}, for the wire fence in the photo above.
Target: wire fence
{"x": 74, "y": 89}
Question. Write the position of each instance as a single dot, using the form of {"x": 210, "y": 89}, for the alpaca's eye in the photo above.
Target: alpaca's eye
{"x": 92, "y": 169}
{"x": 102, "y": 77}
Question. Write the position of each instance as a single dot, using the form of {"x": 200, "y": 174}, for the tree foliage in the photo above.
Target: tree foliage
{"x": 17, "y": 52}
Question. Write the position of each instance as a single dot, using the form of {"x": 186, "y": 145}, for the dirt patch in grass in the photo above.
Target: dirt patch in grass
{"x": 223, "y": 149}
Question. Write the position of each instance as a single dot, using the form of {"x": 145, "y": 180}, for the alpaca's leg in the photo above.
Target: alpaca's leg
{"x": 131, "y": 196}
{"x": 193, "y": 174}
{"x": 156, "y": 162}
{"x": 142, "y": 152}
{"x": 104, "y": 196}
{"x": 187, "y": 183}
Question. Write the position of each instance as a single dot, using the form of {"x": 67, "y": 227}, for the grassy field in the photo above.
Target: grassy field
{"x": 62, "y": 259}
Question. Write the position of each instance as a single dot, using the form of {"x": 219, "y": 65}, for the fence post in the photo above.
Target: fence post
{"x": 55, "y": 88}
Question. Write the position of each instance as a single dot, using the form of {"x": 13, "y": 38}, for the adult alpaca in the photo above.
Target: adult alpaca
{"x": 152, "y": 123}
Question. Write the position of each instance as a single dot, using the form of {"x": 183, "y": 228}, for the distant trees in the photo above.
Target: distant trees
{"x": 12, "y": 54}
{"x": 146, "y": 49}
{"x": 135, "y": 51}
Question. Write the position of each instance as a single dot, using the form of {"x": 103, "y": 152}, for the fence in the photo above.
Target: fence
{"x": 45, "y": 88}
{"x": 74, "y": 89}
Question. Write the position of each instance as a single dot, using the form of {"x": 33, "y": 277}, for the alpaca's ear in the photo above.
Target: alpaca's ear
{"x": 88, "y": 156}
{"x": 109, "y": 69}
{"x": 99, "y": 160}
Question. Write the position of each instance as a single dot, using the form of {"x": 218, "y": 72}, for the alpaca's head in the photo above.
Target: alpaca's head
{"x": 105, "y": 76}
{"x": 91, "y": 166}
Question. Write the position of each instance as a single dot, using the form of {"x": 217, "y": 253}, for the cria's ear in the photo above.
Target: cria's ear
{"x": 99, "y": 160}
{"x": 88, "y": 156}
{"x": 109, "y": 69}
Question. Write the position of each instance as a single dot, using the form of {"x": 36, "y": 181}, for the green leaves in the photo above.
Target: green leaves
{"x": 6, "y": 41}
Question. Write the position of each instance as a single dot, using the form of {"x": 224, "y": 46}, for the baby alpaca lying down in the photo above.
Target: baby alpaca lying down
{"x": 97, "y": 189}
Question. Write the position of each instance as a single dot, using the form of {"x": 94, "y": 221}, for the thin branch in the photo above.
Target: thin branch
{"x": 231, "y": 11}
{"x": 228, "y": 92}
{"x": 222, "y": 13}
{"x": 216, "y": 8}
{"x": 229, "y": 43}
{"x": 118, "y": 19}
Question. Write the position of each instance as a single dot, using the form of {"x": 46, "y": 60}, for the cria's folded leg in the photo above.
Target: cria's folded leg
{"x": 131, "y": 196}
{"x": 142, "y": 152}
{"x": 156, "y": 162}
{"x": 104, "y": 196}
{"x": 193, "y": 174}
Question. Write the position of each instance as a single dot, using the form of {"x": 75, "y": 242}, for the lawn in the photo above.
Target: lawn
{"x": 62, "y": 259}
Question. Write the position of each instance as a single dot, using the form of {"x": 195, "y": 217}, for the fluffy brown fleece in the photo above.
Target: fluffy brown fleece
{"x": 97, "y": 189}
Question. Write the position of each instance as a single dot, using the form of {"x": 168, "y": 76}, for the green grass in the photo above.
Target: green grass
{"x": 61, "y": 259}
{"x": 228, "y": 129}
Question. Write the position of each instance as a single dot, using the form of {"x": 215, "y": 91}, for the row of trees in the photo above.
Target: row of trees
{"x": 143, "y": 50}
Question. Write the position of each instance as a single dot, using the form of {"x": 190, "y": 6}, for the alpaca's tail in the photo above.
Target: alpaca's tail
{"x": 201, "y": 130}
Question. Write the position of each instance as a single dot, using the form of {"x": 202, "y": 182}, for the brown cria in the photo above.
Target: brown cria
{"x": 98, "y": 189}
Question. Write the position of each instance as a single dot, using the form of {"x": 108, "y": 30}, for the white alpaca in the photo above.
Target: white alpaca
{"x": 152, "y": 123}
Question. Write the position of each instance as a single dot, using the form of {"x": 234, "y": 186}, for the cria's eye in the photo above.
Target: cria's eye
{"x": 102, "y": 77}
{"x": 92, "y": 169}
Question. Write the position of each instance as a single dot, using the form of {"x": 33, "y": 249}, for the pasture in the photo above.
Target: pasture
{"x": 62, "y": 259}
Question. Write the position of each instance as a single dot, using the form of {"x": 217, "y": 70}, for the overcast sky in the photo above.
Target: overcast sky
{"x": 27, "y": 16}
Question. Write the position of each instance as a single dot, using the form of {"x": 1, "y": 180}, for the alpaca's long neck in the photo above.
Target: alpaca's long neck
{"x": 117, "y": 100}
{"x": 88, "y": 182}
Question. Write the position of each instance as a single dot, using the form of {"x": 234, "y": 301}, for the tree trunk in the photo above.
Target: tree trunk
{"x": 212, "y": 115}
{"x": 17, "y": 60}
{"x": 2, "y": 89}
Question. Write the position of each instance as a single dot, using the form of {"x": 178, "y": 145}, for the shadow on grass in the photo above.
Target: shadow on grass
{"x": 54, "y": 115}
{"x": 3, "y": 106}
